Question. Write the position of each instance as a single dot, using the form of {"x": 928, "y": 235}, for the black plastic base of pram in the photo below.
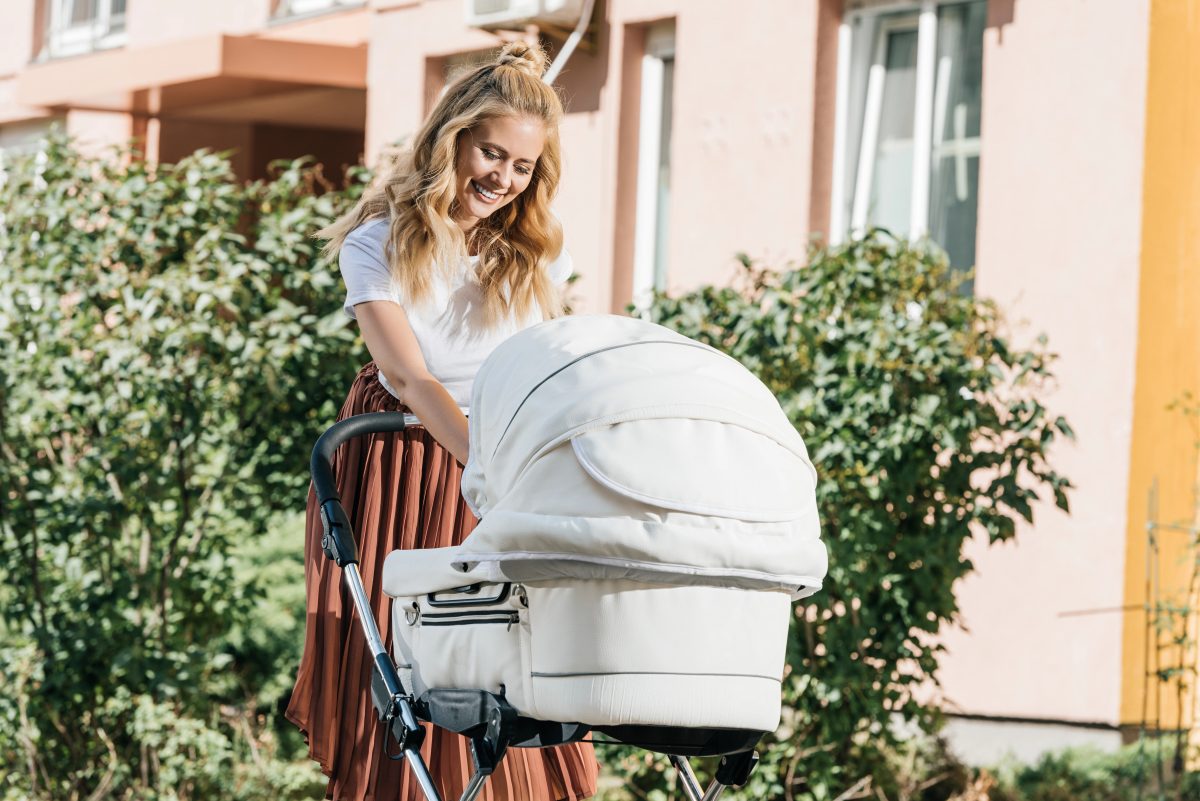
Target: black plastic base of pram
{"x": 493, "y": 726}
{"x": 468, "y": 711}
{"x": 685, "y": 742}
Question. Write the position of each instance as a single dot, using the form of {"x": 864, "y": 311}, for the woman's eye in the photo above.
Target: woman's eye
{"x": 524, "y": 170}
{"x": 491, "y": 154}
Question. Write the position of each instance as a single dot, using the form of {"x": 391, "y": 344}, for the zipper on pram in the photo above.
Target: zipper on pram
{"x": 469, "y": 618}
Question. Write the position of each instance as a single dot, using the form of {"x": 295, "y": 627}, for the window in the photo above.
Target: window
{"x": 303, "y": 8}
{"x": 75, "y": 27}
{"x": 23, "y": 138}
{"x": 654, "y": 162}
{"x": 907, "y": 133}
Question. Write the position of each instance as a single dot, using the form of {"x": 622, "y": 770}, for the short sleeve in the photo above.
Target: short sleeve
{"x": 560, "y": 269}
{"x": 364, "y": 266}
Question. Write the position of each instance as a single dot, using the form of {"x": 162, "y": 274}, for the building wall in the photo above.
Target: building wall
{"x": 339, "y": 149}
{"x": 743, "y": 131}
{"x": 95, "y": 132}
{"x": 16, "y": 38}
{"x": 253, "y": 146}
{"x": 1164, "y": 450}
{"x": 189, "y": 76}
{"x": 180, "y": 138}
{"x": 736, "y": 119}
{"x": 17, "y": 42}
{"x": 157, "y": 23}
{"x": 1065, "y": 225}
{"x": 1059, "y": 240}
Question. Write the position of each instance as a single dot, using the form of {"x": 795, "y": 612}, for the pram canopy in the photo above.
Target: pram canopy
{"x": 644, "y": 503}
{"x": 607, "y": 447}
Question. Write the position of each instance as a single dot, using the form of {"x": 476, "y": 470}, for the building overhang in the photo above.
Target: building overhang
{"x": 213, "y": 77}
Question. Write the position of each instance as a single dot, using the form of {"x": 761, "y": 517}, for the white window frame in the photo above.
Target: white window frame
{"x": 103, "y": 31}
{"x": 21, "y": 139}
{"x": 648, "y": 273}
{"x": 305, "y": 8}
{"x": 930, "y": 103}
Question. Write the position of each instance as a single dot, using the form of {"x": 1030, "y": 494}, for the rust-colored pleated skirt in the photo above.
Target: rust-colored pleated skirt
{"x": 401, "y": 491}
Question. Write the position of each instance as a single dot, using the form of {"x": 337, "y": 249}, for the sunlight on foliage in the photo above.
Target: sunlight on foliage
{"x": 926, "y": 427}
{"x": 173, "y": 345}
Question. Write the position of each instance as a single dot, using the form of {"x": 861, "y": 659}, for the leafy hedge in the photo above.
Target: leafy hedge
{"x": 925, "y": 426}
{"x": 1142, "y": 771}
{"x": 173, "y": 344}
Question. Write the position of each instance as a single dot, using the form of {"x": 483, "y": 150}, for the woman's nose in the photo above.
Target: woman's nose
{"x": 503, "y": 176}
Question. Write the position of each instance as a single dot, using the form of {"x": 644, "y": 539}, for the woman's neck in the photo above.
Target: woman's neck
{"x": 471, "y": 240}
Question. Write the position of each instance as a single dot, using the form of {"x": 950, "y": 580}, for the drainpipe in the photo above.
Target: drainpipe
{"x": 560, "y": 60}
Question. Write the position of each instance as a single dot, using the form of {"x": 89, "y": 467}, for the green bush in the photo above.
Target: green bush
{"x": 924, "y": 769}
{"x": 1143, "y": 771}
{"x": 925, "y": 426}
{"x": 172, "y": 346}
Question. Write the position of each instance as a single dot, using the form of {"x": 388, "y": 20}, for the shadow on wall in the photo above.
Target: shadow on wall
{"x": 586, "y": 72}
{"x": 999, "y": 14}
{"x": 579, "y": 85}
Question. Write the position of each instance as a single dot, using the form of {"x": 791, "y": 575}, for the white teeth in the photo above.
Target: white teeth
{"x": 484, "y": 192}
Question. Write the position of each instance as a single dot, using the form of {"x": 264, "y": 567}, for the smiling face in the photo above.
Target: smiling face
{"x": 495, "y": 163}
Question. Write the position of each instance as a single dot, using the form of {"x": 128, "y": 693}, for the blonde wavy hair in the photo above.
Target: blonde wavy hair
{"x": 418, "y": 195}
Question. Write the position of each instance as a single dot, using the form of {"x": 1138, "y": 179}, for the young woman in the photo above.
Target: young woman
{"x": 453, "y": 252}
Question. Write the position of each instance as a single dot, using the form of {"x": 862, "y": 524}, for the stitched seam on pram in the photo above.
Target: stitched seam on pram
{"x": 578, "y": 359}
{"x": 538, "y": 675}
{"x": 593, "y": 470}
{"x": 670, "y": 411}
{"x": 658, "y": 567}
{"x": 688, "y": 410}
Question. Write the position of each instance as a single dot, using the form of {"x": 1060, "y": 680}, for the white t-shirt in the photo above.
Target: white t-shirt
{"x": 449, "y": 325}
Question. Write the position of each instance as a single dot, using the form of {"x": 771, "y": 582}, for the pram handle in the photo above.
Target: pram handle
{"x": 337, "y": 539}
{"x": 335, "y": 435}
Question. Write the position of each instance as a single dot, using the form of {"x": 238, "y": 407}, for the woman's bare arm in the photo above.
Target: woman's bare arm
{"x": 393, "y": 346}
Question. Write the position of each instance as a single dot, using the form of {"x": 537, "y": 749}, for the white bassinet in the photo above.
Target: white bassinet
{"x": 647, "y": 518}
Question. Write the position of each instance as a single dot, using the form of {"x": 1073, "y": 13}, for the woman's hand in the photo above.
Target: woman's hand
{"x": 394, "y": 347}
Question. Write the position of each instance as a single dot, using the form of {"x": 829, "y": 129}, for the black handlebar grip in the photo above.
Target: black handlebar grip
{"x": 337, "y": 538}
{"x": 335, "y": 435}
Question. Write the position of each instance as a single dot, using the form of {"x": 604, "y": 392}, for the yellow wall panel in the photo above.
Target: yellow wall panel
{"x": 1163, "y": 470}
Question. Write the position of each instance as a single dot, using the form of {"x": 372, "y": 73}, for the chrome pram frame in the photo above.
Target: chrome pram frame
{"x": 490, "y": 723}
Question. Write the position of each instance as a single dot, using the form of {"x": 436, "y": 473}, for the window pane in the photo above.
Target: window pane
{"x": 664, "y": 176}
{"x": 891, "y": 175}
{"x": 80, "y": 12}
{"x": 956, "y": 144}
{"x": 290, "y": 8}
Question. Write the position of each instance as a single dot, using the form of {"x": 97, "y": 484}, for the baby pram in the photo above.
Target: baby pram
{"x": 647, "y": 518}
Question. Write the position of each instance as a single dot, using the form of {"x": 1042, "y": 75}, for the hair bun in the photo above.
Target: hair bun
{"x": 529, "y": 59}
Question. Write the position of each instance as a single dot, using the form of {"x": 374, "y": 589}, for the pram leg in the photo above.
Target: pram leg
{"x": 735, "y": 770}
{"x": 475, "y": 786}
{"x": 485, "y": 758}
{"x": 388, "y": 696}
{"x": 686, "y": 778}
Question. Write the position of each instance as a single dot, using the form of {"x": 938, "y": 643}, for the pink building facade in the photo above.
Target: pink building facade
{"x": 1010, "y": 131}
